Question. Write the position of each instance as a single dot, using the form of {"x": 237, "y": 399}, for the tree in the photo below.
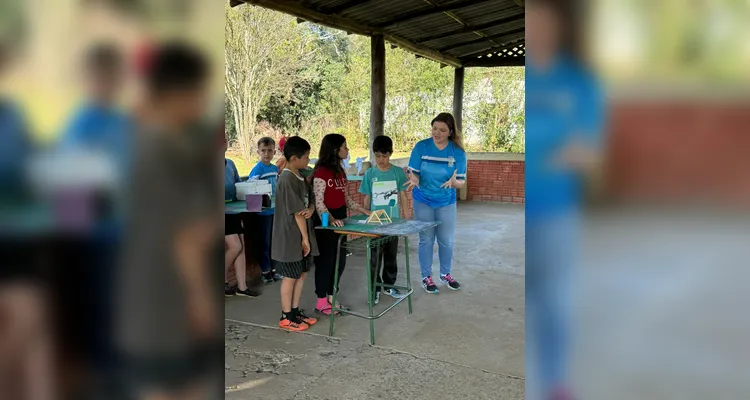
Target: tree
{"x": 266, "y": 53}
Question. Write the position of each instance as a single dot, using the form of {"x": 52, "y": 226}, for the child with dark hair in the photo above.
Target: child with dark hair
{"x": 331, "y": 196}
{"x": 168, "y": 310}
{"x": 294, "y": 245}
{"x": 266, "y": 171}
{"x": 383, "y": 187}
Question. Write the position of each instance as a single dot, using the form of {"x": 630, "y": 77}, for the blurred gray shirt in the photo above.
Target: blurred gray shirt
{"x": 174, "y": 183}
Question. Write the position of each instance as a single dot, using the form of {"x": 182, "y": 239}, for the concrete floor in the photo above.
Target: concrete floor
{"x": 456, "y": 344}
{"x": 662, "y": 306}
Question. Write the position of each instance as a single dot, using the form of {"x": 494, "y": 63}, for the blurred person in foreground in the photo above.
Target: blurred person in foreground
{"x": 100, "y": 128}
{"x": 169, "y": 326}
{"x": 564, "y": 130}
{"x": 25, "y": 335}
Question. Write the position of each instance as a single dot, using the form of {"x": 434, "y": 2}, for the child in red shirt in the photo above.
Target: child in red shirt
{"x": 331, "y": 196}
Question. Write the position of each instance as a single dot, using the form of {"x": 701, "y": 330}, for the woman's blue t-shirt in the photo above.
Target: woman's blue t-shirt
{"x": 563, "y": 104}
{"x": 435, "y": 167}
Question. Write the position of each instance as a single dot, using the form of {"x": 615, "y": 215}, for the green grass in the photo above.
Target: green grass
{"x": 244, "y": 166}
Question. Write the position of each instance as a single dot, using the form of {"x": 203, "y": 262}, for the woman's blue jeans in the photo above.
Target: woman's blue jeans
{"x": 443, "y": 233}
{"x": 552, "y": 246}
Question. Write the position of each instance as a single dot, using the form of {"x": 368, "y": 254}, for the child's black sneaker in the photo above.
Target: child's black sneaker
{"x": 248, "y": 293}
{"x": 429, "y": 285}
{"x": 448, "y": 280}
{"x": 276, "y": 276}
{"x": 229, "y": 291}
{"x": 267, "y": 277}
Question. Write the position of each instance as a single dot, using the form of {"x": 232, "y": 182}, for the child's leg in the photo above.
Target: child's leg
{"x": 240, "y": 267}
{"x": 266, "y": 226}
{"x": 298, "y": 284}
{"x": 390, "y": 263}
{"x": 342, "y": 266}
{"x": 324, "y": 261}
{"x": 287, "y": 294}
{"x": 232, "y": 249}
{"x": 376, "y": 257}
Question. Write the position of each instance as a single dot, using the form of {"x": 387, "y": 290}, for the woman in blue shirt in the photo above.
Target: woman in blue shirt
{"x": 437, "y": 167}
{"x": 565, "y": 113}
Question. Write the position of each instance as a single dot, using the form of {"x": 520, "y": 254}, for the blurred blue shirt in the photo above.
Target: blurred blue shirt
{"x": 101, "y": 128}
{"x": 563, "y": 103}
{"x": 105, "y": 129}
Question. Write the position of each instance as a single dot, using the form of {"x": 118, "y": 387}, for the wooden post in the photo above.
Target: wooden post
{"x": 377, "y": 90}
{"x": 458, "y": 108}
{"x": 458, "y": 97}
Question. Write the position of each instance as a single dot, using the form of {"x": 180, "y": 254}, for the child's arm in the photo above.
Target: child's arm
{"x": 353, "y": 206}
{"x": 367, "y": 201}
{"x": 319, "y": 189}
{"x": 302, "y": 225}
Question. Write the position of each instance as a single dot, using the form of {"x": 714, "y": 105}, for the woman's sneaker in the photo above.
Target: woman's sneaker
{"x": 448, "y": 280}
{"x": 394, "y": 293}
{"x": 429, "y": 285}
{"x": 229, "y": 290}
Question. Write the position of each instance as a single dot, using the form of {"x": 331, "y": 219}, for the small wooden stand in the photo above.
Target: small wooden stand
{"x": 379, "y": 217}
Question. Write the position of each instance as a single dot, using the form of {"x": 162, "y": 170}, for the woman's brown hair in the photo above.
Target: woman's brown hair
{"x": 455, "y": 134}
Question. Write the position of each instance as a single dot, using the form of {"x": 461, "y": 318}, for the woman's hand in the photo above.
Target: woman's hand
{"x": 413, "y": 180}
{"x": 365, "y": 211}
{"x": 451, "y": 183}
{"x": 337, "y": 222}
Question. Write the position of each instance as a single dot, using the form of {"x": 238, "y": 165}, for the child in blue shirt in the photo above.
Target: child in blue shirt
{"x": 383, "y": 187}
{"x": 265, "y": 170}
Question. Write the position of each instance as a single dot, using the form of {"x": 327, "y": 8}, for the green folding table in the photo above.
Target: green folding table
{"x": 369, "y": 237}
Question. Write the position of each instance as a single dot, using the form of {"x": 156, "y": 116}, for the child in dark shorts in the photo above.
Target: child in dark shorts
{"x": 294, "y": 241}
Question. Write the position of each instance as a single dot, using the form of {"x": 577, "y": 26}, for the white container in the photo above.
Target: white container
{"x": 252, "y": 187}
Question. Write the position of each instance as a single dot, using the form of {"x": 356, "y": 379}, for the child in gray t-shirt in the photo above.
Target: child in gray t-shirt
{"x": 293, "y": 244}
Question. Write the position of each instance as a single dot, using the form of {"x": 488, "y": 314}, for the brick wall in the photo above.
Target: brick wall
{"x": 679, "y": 151}
{"x": 496, "y": 180}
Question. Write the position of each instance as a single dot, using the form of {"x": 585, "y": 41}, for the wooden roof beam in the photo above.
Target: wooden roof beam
{"x": 430, "y": 11}
{"x": 510, "y": 34}
{"x": 343, "y": 7}
{"x": 473, "y": 28}
{"x": 298, "y": 10}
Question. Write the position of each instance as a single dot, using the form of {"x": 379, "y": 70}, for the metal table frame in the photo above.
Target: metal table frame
{"x": 369, "y": 243}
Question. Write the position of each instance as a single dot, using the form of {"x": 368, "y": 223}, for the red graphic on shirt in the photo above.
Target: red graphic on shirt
{"x": 335, "y": 194}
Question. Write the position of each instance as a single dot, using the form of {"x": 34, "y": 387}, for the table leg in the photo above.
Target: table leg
{"x": 408, "y": 270}
{"x": 370, "y": 294}
{"x": 335, "y": 285}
